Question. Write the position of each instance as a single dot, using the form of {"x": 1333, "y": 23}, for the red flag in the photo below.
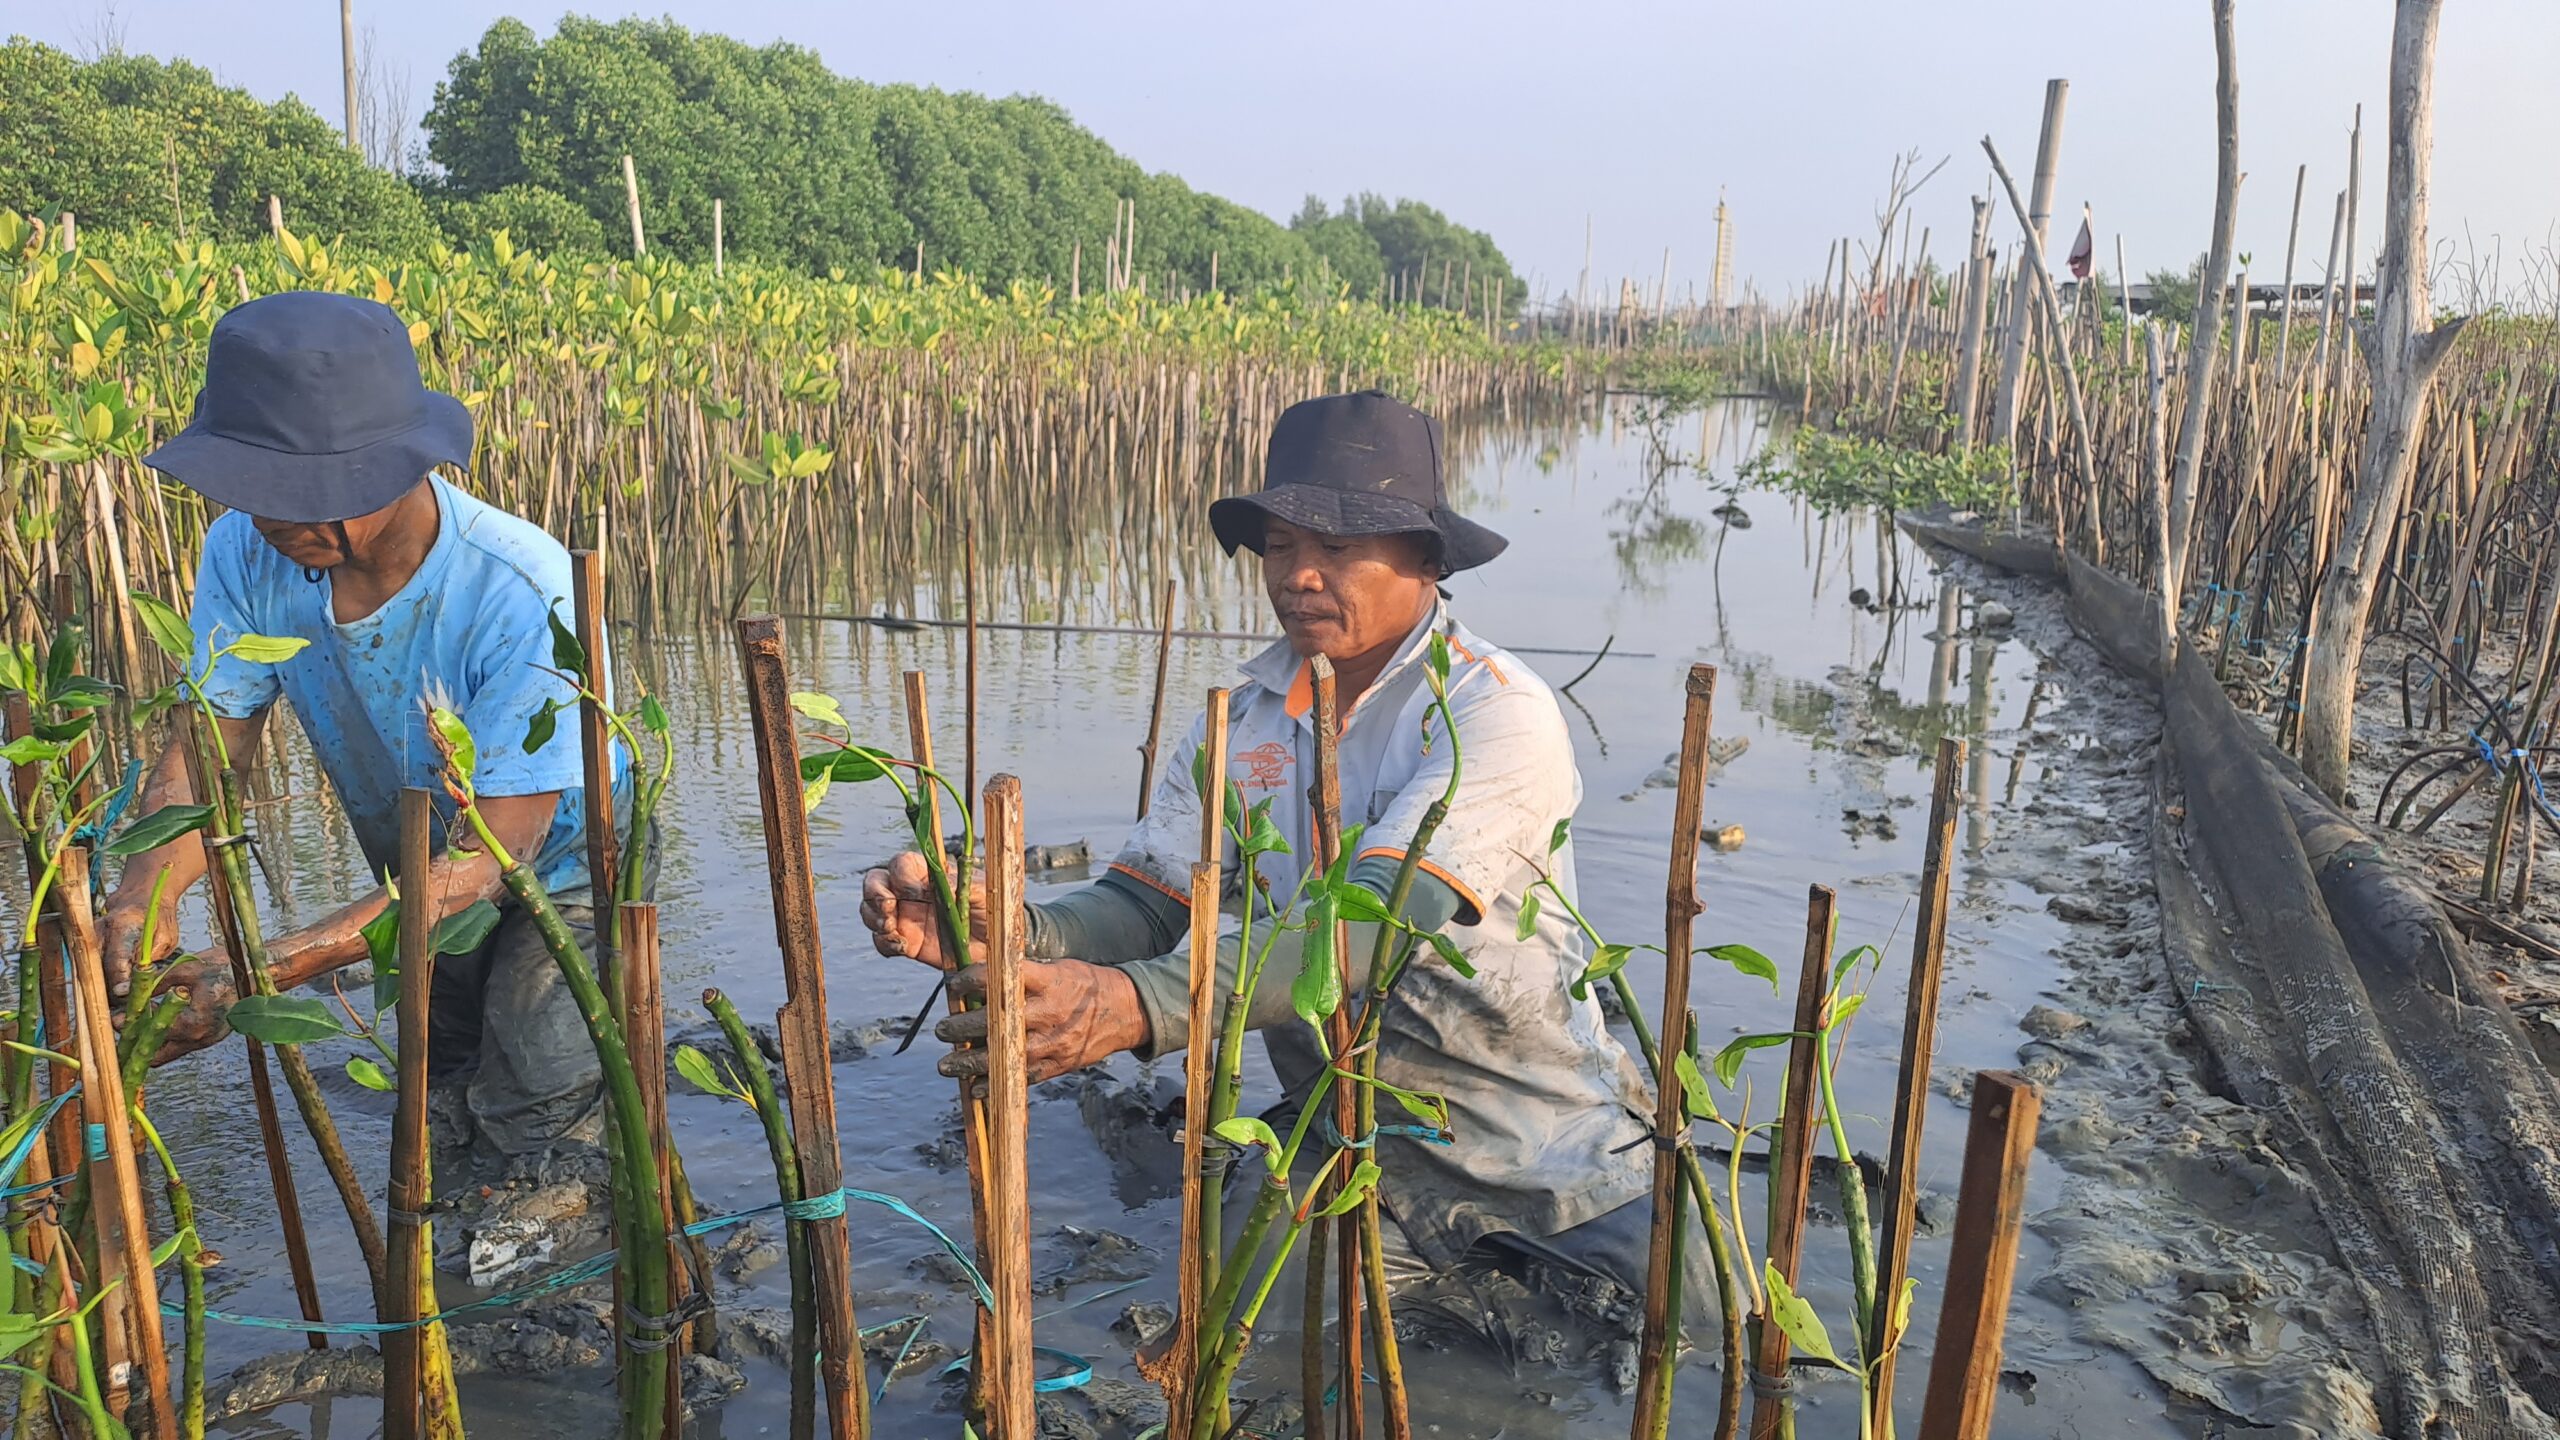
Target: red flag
{"x": 2082, "y": 248}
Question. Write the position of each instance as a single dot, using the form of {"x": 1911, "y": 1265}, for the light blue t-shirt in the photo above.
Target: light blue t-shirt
{"x": 469, "y": 628}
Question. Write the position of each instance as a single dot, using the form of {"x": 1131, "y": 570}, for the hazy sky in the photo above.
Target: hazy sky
{"x": 1525, "y": 119}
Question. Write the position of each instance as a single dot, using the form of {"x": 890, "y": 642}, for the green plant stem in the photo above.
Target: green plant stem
{"x": 795, "y": 1237}
{"x": 182, "y": 1214}
{"x": 1853, "y": 1214}
{"x": 93, "y": 1405}
{"x": 643, "y": 1253}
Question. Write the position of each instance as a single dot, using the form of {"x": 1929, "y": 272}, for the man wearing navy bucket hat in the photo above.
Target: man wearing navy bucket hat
{"x": 315, "y": 430}
{"x": 1543, "y": 1158}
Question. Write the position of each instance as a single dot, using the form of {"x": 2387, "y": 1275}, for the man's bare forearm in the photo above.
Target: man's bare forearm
{"x": 458, "y": 879}
{"x": 183, "y": 860}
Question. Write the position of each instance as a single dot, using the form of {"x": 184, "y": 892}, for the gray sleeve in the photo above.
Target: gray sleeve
{"x": 1109, "y": 922}
{"x": 1164, "y": 981}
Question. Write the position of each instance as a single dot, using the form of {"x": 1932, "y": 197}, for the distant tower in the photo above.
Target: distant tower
{"x": 1720, "y": 288}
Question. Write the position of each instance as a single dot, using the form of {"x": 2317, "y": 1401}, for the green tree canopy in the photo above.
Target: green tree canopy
{"x": 127, "y": 141}
{"x": 1372, "y": 238}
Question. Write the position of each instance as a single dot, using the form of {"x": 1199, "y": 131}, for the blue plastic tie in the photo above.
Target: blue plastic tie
{"x": 816, "y": 1207}
{"x": 97, "y": 1142}
{"x": 1428, "y": 1135}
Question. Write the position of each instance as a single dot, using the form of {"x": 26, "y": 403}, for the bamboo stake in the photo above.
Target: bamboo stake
{"x": 1351, "y": 1396}
{"x": 1007, "y": 1189}
{"x": 2035, "y": 216}
{"x": 1155, "y": 716}
{"x": 969, "y": 607}
{"x": 644, "y": 1030}
{"x": 1911, "y": 1085}
{"x": 802, "y": 1021}
{"x": 595, "y": 745}
{"x": 1964, "y": 1371}
{"x": 631, "y": 194}
{"x": 1681, "y": 906}
{"x": 114, "y": 1178}
{"x": 1791, "y": 1175}
{"x": 403, "y": 1350}
{"x": 1201, "y": 1206}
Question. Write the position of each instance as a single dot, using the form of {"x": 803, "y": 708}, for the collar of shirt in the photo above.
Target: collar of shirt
{"x": 1281, "y": 671}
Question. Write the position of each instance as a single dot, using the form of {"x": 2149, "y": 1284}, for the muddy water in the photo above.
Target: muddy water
{"x": 1842, "y": 706}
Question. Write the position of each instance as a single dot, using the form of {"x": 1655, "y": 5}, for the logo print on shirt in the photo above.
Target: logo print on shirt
{"x": 1264, "y": 767}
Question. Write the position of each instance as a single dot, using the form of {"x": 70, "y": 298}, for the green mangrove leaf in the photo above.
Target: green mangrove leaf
{"x": 1528, "y": 915}
{"x": 168, "y": 629}
{"x": 1695, "y": 1098}
{"x": 653, "y": 715}
{"x": 851, "y": 764}
{"x": 284, "y": 1019}
{"x": 455, "y": 737}
{"x": 169, "y": 1249}
{"x": 812, "y": 792}
{"x": 1901, "y": 1318}
{"x": 1358, "y": 902}
{"x": 159, "y": 828}
{"x": 1438, "y": 658}
{"x": 697, "y": 1068}
{"x": 1606, "y": 961}
{"x": 1797, "y": 1318}
{"x": 17, "y": 670}
{"x": 1317, "y": 990}
{"x": 266, "y": 649}
{"x": 1841, "y": 1012}
{"x": 1563, "y": 832}
{"x": 80, "y": 692}
{"x": 1252, "y": 1133}
{"x": 369, "y": 1075}
{"x": 33, "y": 750}
{"x": 1264, "y": 837}
{"x": 1729, "y": 1059}
{"x": 1364, "y": 1178}
{"x": 541, "y": 726}
{"x": 819, "y": 707}
{"x": 567, "y": 651}
{"x": 1749, "y": 961}
{"x": 462, "y": 932}
{"x": 1449, "y": 952}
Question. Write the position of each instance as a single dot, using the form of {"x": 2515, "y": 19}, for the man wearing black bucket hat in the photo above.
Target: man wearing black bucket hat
{"x": 1543, "y": 1158}
{"x": 316, "y": 431}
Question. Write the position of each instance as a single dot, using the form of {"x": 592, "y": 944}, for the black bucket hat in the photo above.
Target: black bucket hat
{"x": 1358, "y": 464}
{"x": 312, "y": 410}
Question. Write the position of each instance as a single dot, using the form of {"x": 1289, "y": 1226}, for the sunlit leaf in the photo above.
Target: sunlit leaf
{"x": 1841, "y": 1012}
{"x": 1900, "y": 1320}
{"x": 1251, "y": 1133}
{"x": 1608, "y": 960}
{"x": 821, "y": 708}
{"x": 697, "y": 1069}
{"x": 1528, "y": 915}
{"x": 653, "y": 716}
{"x": 455, "y": 737}
{"x": 167, "y": 628}
{"x": 369, "y": 1075}
{"x": 159, "y": 828}
{"x": 1360, "y": 903}
{"x": 266, "y": 649}
{"x": 1798, "y": 1320}
{"x": 1696, "y": 1101}
{"x": 1264, "y": 837}
{"x": 1364, "y": 1178}
{"x": 1563, "y": 832}
{"x": 33, "y": 750}
{"x": 851, "y": 764}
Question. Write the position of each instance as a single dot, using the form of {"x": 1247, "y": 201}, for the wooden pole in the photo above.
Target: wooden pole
{"x": 1964, "y": 403}
{"x": 347, "y": 68}
{"x": 644, "y": 1035}
{"x": 595, "y": 744}
{"x": 1659, "y": 1347}
{"x": 631, "y": 194}
{"x": 115, "y": 1179}
{"x": 1911, "y": 1087}
{"x": 406, "y": 1259}
{"x": 1007, "y": 1175}
{"x": 802, "y": 1021}
{"x": 1200, "y": 1240}
{"x": 2022, "y": 308}
{"x": 2292, "y": 244}
{"x": 1155, "y": 727}
{"x": 1792, "y": 1178}
{"x": 1964, "y": 1371}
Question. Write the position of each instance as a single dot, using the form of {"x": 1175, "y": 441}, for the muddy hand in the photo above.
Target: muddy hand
{"x": 1073, "y": 1015}
{"x": 208, "y": 992}
{"x": 905, "y": 916}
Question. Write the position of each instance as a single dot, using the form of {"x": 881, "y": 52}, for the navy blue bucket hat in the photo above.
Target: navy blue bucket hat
{"x": 312, "y": 410}
{"x": 1358, "y": 464}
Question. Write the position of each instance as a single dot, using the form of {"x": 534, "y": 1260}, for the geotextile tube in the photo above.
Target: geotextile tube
{"x": 2331, "y": 995}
